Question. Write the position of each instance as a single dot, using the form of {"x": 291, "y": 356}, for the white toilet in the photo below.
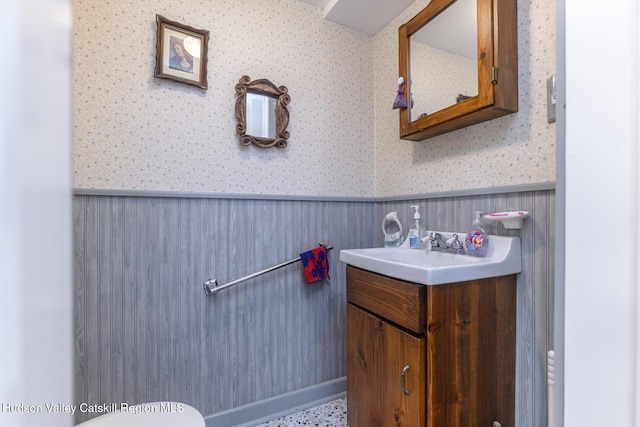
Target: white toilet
{"x": 154, "y": 414}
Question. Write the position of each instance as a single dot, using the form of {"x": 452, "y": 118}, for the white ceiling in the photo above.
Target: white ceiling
{"x": 454, "y": 31}
{"x": 368, "y": 16}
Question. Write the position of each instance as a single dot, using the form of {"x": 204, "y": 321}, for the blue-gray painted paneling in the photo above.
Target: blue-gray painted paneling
{"x": 146, "y": 332}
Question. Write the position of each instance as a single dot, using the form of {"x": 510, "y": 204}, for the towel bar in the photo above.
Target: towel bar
{"x": 211, "y": 286}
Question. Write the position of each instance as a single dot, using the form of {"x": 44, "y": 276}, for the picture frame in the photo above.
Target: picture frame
{"x": 181, "y": 52}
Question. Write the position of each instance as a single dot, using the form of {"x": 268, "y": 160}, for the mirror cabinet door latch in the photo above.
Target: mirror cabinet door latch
{"x": 494, "y": 75}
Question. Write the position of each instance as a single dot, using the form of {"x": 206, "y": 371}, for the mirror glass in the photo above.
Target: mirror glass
{"x": 261, "y": 115}
{"x": 443, "y": 68}
{"x": 261, "y": 109}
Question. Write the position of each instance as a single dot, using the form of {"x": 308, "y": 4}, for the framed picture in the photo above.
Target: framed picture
{"x": 181, "y": 53}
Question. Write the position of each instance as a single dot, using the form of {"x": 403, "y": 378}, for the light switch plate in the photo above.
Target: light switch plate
{"x": 551, "y": 99}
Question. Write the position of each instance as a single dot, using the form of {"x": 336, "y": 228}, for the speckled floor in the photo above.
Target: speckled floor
{"x": 330, "y": 414}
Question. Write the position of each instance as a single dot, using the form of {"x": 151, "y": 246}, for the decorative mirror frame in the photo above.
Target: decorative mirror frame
{"x": 497, "y": 70}
{"x": 263, "y": 87}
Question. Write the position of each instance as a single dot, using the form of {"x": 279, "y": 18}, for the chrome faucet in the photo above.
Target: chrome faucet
{"x": 451, "y": 245}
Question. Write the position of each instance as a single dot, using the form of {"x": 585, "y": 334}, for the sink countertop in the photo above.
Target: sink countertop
{"x": 428, "y": 267}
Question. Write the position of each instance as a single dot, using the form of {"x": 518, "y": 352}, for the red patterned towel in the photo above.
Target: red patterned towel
{"x": 315, "y": 264}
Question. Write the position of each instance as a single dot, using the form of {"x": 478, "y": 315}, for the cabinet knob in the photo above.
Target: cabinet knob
{"x": 404, "y": 374}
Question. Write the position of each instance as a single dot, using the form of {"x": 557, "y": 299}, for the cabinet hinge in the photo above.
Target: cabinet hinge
{"x": 494, "y": 75}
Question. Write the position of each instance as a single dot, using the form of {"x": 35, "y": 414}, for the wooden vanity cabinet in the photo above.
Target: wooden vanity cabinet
{"x": 436, "y": 356}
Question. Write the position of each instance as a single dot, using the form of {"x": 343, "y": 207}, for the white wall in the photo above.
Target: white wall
{"x": 602, "y": 280}
{"x": 35, "y": 211}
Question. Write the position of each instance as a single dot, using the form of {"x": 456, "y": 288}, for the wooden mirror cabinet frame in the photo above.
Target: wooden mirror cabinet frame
{"x": 263, "y": 87}
{"x": 497, "y": 70}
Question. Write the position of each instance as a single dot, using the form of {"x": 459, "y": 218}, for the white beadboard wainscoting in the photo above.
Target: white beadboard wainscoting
{"x": 145, "y": 331}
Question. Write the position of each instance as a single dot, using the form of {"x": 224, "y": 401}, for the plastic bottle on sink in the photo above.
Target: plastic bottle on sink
{"x": 477, "y": 242}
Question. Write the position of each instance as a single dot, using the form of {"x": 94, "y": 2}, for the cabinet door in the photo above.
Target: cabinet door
{"x": 385, "y": 373}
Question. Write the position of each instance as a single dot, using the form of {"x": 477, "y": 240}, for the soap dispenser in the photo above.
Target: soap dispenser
{"x": 417, "y": 233}
{"x": 477, "y": 242}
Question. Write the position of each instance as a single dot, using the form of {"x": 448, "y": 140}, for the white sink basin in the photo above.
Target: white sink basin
{"x": 436, "y": 268}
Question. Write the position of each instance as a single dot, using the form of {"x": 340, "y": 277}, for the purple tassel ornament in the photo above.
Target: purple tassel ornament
{"x": 400, "y": 101}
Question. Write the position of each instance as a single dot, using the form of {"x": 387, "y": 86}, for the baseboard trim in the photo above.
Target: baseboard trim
{"x": 279, "y": 406}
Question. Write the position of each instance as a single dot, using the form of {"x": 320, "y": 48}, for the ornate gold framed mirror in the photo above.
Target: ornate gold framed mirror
{"x": 261, "y": 109}
{"x": 451, "y": 86}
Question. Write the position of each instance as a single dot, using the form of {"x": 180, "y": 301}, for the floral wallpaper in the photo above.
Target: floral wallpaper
{"x": 517, "y": 149}
{"x": 136, "y": 132}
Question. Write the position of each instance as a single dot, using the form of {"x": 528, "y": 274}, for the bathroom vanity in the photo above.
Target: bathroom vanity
{"x": 430, "y": 355}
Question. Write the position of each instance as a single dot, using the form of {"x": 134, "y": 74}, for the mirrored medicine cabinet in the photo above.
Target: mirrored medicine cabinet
{"x": 261, "y": 110}
{"x": 459, "y": 62}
